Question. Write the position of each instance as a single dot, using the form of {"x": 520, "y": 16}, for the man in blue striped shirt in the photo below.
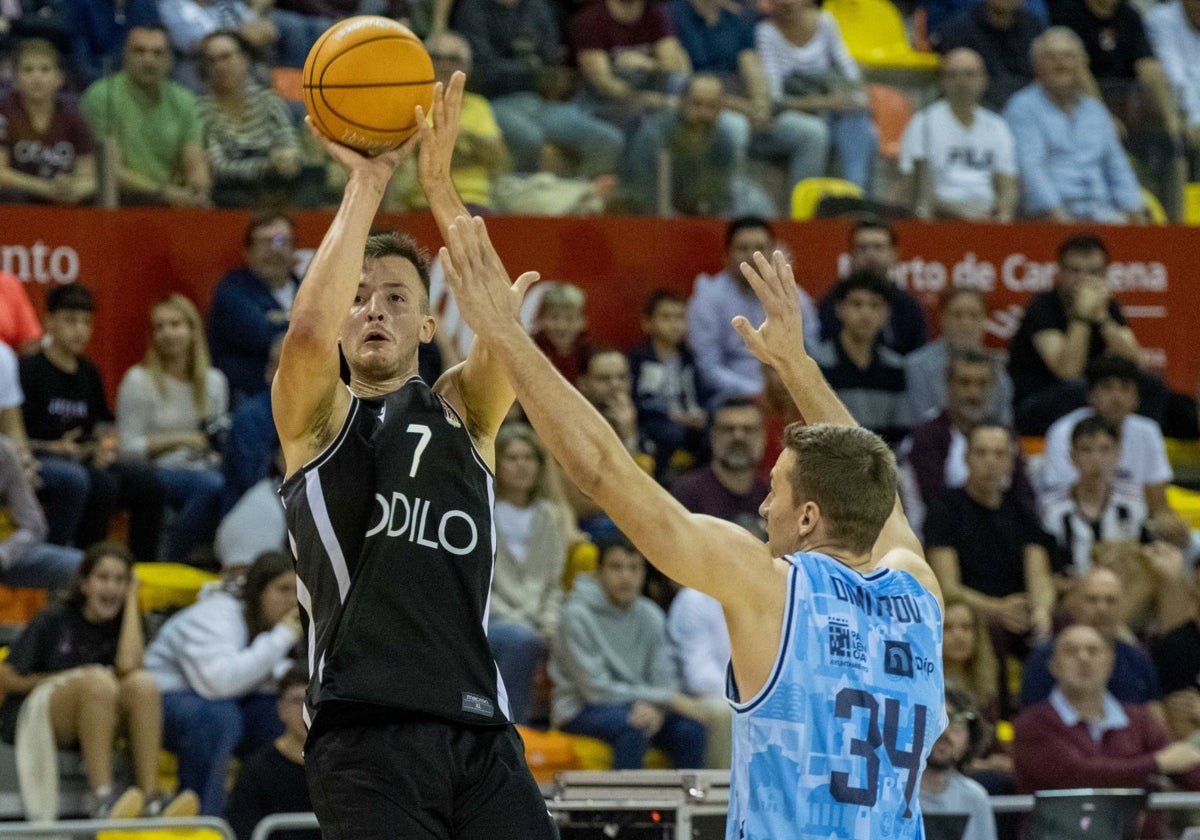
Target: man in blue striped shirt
{"x": 1071, "y": 163}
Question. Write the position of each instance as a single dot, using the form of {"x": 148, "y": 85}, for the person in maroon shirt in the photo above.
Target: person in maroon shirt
{"x": 46, "y": 151}
{"x": 629, "y": 56}
{"x": 730, "y": 487}
{"x": 1083, "y": 738}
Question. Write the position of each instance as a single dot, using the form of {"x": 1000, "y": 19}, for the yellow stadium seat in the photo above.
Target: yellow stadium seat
{"x": 168, "y": 771}
{"x": 165, "y": 585}
{"x": 808, "y": 194}
{"x": 160, "y": 834}
{"x": 548, "y": 753}
{"x": 874, "y": 33}
{"x": 1186, "y": 503}
{"x": 1154, "y": 207}
{"x": 1191, "y": 204}
{"x": 594, "y": 754}
{"x": 1183, "y": 454}
{"x": 581, "y": 559}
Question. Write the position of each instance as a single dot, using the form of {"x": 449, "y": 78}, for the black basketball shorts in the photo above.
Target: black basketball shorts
{"x": 424, "y": 779}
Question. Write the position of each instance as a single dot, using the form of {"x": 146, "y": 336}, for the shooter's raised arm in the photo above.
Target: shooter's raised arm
{"x": 307, "y": 398}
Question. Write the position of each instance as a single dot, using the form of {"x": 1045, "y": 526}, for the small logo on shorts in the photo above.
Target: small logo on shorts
{"x": 476, "y": 704}
{"x": 897, "y": 659}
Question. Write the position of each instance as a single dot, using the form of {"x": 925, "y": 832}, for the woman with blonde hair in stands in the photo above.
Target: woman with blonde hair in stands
{"x": 968, "y": 657}
{"x": 74, "y": 678}
{"x": 970, "y": 664}
{"x": 532, "y": 534}
{"x": 169, "y": 411}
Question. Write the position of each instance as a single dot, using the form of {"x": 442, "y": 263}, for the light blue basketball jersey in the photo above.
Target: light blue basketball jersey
{"x": 834, "y": 743}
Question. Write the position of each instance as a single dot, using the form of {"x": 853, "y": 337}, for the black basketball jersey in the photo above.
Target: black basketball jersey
{"x": 391, "y": 527}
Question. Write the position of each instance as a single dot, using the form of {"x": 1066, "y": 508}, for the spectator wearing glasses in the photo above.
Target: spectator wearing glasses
{"x": 250, "y": 305}
{"x": 191, "y": 22}
{"x": 251, "y": 145}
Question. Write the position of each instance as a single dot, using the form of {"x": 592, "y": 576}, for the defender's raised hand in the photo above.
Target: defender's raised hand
{"x": 781, "y": 335}
{"x": 488, "y": 301}
{"x": 440, "y": 133}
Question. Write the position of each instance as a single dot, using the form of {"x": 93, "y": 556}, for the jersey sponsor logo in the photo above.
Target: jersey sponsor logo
{"x": 901, "y": 609}
{"x": 899, "y": 661}
{"x": 401, "y": 518}
{"x": 846, "y": 646}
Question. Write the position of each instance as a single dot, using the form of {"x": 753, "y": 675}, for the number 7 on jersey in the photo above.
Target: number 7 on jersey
{"x": 425, "y": 434}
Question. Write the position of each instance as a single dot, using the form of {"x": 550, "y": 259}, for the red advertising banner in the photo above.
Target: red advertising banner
{"x": 132, "y": 258}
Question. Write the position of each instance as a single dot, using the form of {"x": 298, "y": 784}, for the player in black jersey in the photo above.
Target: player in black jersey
{"x": 388, "y": 501}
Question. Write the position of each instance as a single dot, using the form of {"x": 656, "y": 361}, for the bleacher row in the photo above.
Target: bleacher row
{"x": 540, "y": 152}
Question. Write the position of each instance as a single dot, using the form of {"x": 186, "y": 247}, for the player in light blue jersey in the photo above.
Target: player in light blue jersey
{"x": 835, "y": 624}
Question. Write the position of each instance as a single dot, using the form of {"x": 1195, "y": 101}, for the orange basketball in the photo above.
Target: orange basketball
{"x": 362, "y": 80}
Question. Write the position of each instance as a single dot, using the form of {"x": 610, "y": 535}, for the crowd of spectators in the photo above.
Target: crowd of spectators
{"x": 1066, "y": 572}
{"x": 1062, "y": 111}
{"x": 1067, "y": 575}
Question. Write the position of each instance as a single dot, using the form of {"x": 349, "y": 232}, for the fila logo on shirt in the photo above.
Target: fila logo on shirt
{"x": 971, "y": 158}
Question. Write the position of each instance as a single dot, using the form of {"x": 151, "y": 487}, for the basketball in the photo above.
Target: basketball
{"x": 362, "y": 80}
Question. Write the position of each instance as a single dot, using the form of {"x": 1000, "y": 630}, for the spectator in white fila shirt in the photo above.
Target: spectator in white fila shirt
{"x": 957, "y": 158}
